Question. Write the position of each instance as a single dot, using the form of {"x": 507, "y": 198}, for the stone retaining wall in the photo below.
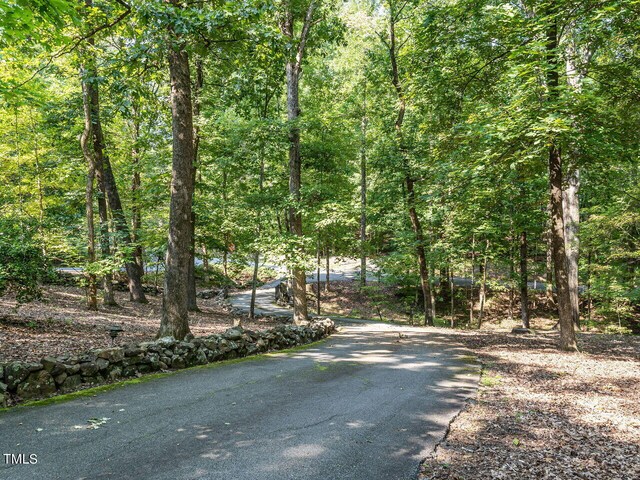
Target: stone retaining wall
{"x": 52, "y": 375}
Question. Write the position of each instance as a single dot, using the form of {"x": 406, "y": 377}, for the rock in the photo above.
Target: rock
{"x": 72, "y": 369}
{"x": 166, "y": 342}
{"x": 129, "y": 371}
{"x": 37, "y": 384}
{"x": 201, "y": 358}
{"x": 187, "y": 346}
{"x": 52, "y": 365}
{"x": 188, "y": 337}
{"x": 115, "y": 373}
{"x": 521, "y": 331}
{"x": 15, "y": 373}
{"x": 102, "y": 364}
{"x": 113, "y": 355}
{"x": 132, "y": 350}
{"x": 88, "y": 369}
{"x": 87, "y": 357}
{"x": 178, "y": 362}
{"x": 60, "y": 378}
{"x": 234, "y": 333}
{"x": 34, "y": 366}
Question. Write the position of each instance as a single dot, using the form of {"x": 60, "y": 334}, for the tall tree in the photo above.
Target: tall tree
{"x": 175, "y": 320}
{"x": 567, "y": 332}
{"x": 293, "y": 70}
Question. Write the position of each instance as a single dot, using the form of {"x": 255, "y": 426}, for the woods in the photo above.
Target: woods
{"x": 494, "y": 142}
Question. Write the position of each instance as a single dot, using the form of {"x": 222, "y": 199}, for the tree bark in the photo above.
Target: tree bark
{"x": 483, "y": 286}
{"x": 136, "y": 211}
{"x": 293, "y": 70}
{"x": 524, "y": 290}
{"x": 363, "y": 190}
{"x": 327, "y": 277}
{"x": 174, "y": 312}
{"x": 92, "y": 300}
{"x": 192, "y": 303}
{"x": 93, "y": 151}
{"x": 571, "y": 214}
{"x": 567, "y": 332}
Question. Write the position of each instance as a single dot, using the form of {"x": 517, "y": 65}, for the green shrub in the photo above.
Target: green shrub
{"x": 22, "y": 263}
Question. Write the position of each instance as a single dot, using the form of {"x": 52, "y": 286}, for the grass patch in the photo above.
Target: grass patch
{"x": 490, "y": 381}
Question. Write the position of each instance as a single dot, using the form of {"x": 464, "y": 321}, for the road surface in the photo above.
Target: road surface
{"x": 369, "y": 403}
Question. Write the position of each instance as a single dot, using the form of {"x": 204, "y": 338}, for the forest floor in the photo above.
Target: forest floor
{"x": 60, "y": 324}
{"x": 545, "y": 414}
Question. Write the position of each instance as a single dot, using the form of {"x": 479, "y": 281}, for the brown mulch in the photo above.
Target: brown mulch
{"x": 545, "y": 414}
{"x": 59, "y": 324}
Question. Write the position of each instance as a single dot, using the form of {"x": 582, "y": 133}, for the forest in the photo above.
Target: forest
{"x": 467, "y": 166}
{"x": 488, "y": 140}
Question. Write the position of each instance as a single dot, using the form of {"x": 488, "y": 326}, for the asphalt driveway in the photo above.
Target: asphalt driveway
{"x": 369, "y": 403}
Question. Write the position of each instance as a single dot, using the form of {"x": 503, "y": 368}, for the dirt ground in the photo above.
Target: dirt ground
{"x": 60, "y": 324}
{"x": 545, "y": 414}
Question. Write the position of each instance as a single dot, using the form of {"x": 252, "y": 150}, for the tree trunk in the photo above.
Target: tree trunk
{"x": 327, "y": 277}
{"x": 174, "y": 312}
{"x": 524, "y": 291}
{"x": 256, "y": 255}
{"x": 318, "y": 264}
{"x": 94, "y": 143}
{"x": 473, "y": 279}
{"x": 483, "y": 286}
{"x": 571, "y": 214}
{"x": 363, "y": 190}
{"x": 92, "y": 300}
{"x": 295, "y": 216}
{"x": 108, "y": 185}
{"x": 136, "y": 212}
{"x": 293, "y": 70}
{"x": 205, "y": 264}
{"x": 408, "y": 181}
{"x": 567, "y": 332}
{"x": 192, "y": 304}
{"x": 549, "y": 260}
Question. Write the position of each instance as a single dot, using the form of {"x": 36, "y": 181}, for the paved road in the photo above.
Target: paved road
{"x": 366, "y": 404}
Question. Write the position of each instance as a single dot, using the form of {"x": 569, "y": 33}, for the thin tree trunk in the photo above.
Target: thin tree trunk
{"x": 205, "y": 264}
{"x": 363, "y": 190}
{"x": 107, "y": 183}
{"x": 483, "y": 286}
{"x": 115, "y": 205}
{"x": 175, "y": 320}
{"x": 451, "y": 286}
{"x": 92, "y": 299}
{"x": 524, "y": 291}
{"x": 473, "y": 280}
{"x": 136, "y": 211}
{"x": 192, "y": 303}
{"x": 549, "y": 260}
{"x": 327, "y": 277}
{"x": 567, "y": 332}
{"x": 571, "y": 214}
{"x": 94, "y": 143}
{"x": 256, "y": 255}
{"x": 318, "y": 263}
{"x": 408, "y": 181}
